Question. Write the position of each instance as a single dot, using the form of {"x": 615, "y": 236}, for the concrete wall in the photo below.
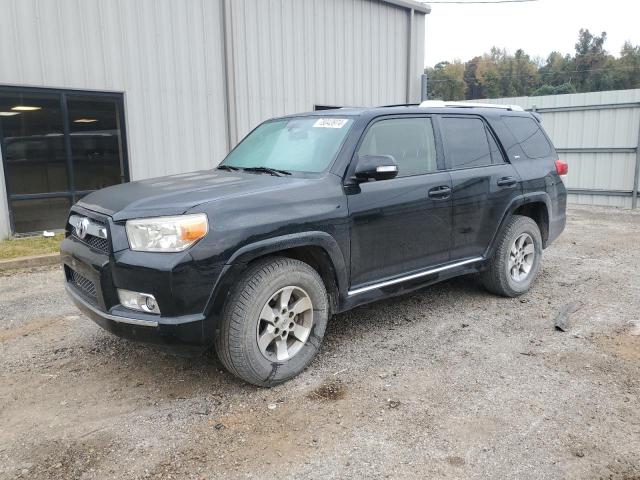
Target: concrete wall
{"x": 598, "y": 134}
{"x": 192, "y": 86}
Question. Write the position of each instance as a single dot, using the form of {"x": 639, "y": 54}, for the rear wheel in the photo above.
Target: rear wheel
{"x": 516, "y": 261}
{"x": 273, "y": 321}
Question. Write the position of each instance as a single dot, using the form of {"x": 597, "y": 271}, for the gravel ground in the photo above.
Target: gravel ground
{"x": 448, "y": 382}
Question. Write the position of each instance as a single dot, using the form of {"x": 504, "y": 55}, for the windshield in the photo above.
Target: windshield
{"x": 303, "y": 144}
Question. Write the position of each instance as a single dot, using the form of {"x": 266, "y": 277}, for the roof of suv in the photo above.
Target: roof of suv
{"x": 426, "y": 107}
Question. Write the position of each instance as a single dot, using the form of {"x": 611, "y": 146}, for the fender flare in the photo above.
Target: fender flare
{"x": 304, "y": 239}
{"x": 517, "y": 202}
{"x": 237, "y": 264}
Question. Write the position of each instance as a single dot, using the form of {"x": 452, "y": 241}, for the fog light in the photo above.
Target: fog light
{"x": 143, "y": 302}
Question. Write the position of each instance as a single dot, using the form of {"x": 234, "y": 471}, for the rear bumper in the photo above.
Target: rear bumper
{"x": 556, "y": 227}
{"x": 558, "y": 219}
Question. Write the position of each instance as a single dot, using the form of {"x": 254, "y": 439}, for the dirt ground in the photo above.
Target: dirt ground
{"x": 448, "y": 382}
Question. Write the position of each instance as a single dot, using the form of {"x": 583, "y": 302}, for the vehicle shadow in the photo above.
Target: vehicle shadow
{"x": 166, "y": 372}
{"x": 391, "y": 312}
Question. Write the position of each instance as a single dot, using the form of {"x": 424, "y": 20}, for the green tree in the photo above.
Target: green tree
{"x": 593, "y": 64}
{"x": 499, "y": 74}
{"x": 525, "y": 73}
{"x": 473, "y": 83}
{"x": 489, "y": 77}
{"x": 627, "y": 72}
{"x": 558, "y": 70}
{"x": 554, "y": 90}
{"x": 446, "y": 81}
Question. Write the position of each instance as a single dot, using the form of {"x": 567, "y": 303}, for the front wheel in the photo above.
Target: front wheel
{"x": 516, "y": 261}
{"x": 273, "y": 321}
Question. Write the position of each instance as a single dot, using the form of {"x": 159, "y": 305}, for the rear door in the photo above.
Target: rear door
{"x": 402, "y": 224}
{"x": 483, "y": 183}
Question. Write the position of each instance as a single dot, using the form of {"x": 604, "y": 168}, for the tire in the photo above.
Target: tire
{"x": 250, "y": 345}
{"x": 507, "y": 273}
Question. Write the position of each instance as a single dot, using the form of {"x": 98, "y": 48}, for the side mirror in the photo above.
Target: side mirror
{"x": 376, "y": 167}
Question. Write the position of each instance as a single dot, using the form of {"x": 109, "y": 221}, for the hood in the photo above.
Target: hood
{"x": 177, "y": 194}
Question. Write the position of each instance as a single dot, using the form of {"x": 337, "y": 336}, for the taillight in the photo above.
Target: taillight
{"x": 562, "y": 168}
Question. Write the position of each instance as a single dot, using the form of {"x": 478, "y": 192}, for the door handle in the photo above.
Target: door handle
{"x": 507, "y": 182}
{"x": 440, "y": 193}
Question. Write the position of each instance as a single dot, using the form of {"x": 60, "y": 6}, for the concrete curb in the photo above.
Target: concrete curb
{"x": 30, "y": 262}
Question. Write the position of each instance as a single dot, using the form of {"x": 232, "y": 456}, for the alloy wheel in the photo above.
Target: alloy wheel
{"x": 285, "y": 324}
{"x": 521, "y": 257}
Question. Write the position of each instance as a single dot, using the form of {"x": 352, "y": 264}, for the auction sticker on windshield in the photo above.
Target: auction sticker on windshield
{"x": 330, "y": 123}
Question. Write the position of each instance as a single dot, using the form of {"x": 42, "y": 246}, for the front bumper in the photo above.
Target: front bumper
{"x": 95, "y": 314}
{"x": 142, "y": 327}
{"x": 181, "y": 285}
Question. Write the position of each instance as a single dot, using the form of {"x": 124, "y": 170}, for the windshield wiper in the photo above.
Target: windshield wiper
{"x": 271, "y": 171}
{"x": 228, "y": 167}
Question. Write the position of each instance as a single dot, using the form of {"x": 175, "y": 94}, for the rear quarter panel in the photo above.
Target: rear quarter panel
{"x": 537, "y": 174}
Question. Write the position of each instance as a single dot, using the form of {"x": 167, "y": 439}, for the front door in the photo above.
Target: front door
{"x": 483, "y": 184}
{"x": 402, "y": 224}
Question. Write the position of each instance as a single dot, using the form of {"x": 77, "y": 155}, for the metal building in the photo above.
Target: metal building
{"x": 96, "y": 92}
{"x": 598, "y": 134}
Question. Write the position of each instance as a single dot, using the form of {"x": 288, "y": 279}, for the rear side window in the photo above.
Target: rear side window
{"x": 410, "y": 141}
{"x": 466, "y": 142}
{"x": 529, "y": 135}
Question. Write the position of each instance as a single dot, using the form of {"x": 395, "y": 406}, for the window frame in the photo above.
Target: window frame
{"x": 64, "y": 94}
{"x": 491, "y": 134}
{"x": 436, "y": 137}
{"x": 488, "y": 131}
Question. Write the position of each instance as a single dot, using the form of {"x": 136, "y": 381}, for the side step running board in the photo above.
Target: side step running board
{"x": 412, "y": 276}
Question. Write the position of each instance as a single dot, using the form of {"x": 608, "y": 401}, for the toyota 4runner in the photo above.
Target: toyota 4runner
{"x": 309, "y": 216}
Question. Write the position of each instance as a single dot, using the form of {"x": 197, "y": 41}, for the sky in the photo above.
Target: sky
{"x": 465, "y": 31}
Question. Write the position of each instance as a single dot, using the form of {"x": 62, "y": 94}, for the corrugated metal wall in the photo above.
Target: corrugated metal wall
{"x": 290, "y": 55}
{"x": 167, "y": 56}
{"x": 598, "y": 134}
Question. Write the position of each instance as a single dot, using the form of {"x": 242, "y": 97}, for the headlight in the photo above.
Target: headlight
{"x": 166, "y": 234}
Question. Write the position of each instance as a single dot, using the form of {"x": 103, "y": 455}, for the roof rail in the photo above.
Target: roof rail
{"x": 443, "y": 104}
{"x": 400, "y": 105}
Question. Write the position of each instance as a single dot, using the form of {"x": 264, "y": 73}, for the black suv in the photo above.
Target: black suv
{"x": 309, "y": 216}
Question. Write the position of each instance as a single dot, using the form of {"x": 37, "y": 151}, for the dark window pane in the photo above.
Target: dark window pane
{"x": 466, "y": 142}
{"x": 38, "y": 215}
{"x": 410, "y": 141}
{"x": 96, "y": 144}
{"x": 529, "y": 135}
{"x": 33, "y": 146}
{"x": 36, "y": 156}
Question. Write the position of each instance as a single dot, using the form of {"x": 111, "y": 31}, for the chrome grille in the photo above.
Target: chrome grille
{"x": 97, "y": 242}
{"x": 84, "y": 285}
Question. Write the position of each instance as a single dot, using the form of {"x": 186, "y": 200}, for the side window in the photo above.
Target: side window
{"x": 410, "y": 141}
{"x": 466, "y": 142}
{"x": 529, "y": 135}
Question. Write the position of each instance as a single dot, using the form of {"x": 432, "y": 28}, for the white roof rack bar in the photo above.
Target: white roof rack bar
{"x": 443, "y": 104}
